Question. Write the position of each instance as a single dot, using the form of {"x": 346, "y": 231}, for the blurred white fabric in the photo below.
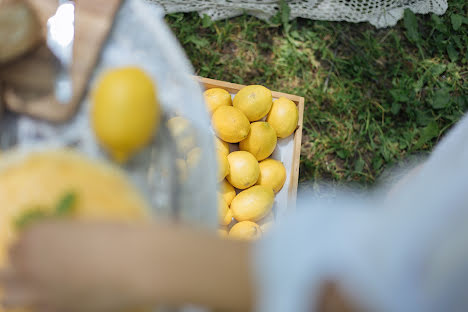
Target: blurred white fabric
{"x": 405, "y": 251}
{"x": 380, "y": 13}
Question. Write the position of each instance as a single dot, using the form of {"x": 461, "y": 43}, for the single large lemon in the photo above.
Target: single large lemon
{"x": 272, "y": 174}
{"x": 243, "y": 169}
{"x": 228, "y": 191}
{"x": 230, "y": 124}
{"x": 223, "y": 165}
{"x": 261, "y": 141}
{"x": 39, "y": 179}
{"x": 215, "y": 98}
{"x": 254, "y": 101}
{"x": 283, "y": 117}
{"x": 125, "y": 113}
{"x": 245, "y": 230}
{"x": 183, "y": 134}
{"x": 222, "y": 146}
{"x": 253, "y": 204}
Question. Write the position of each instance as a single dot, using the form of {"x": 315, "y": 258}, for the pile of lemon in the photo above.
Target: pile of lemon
{"x": 126, "y": 115}
{"x": 254, "y": 121}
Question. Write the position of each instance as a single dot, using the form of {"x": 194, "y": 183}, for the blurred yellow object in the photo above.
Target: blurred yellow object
{"x": 272, "y": 174}
{"x": 254, "y": 101}
{"x": 182, "y": 132}
{"x": 222, "y": 146}
{"x": 261, "y": 141}
{"x": 223, "y": 165}
{"x": 224, "y": 213}
{"x": 193, "y": 157}
{"x": 125, "y": 113}
{"x": 253, "y": 204}
{"x": 228, "y": 191}
{"x": 245, "y": 230}
{"x": 223, "y": 232}
{"x": 39, "y": 179}
{"x": 228, "y": 217}
{"x": 243, "y": 169}
{"x": 283, "y": 117}
{"x": 215, "y": 98}
{"x": 230, "y": 124}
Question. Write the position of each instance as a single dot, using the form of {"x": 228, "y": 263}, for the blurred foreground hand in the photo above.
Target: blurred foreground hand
{"x": 68, "y": 266}
{"x": 79, "y": 267}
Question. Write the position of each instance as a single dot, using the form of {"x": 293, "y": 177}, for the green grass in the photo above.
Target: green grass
{"x": 373, "y": 96}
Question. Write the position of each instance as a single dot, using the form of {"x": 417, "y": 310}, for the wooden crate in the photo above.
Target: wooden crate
{"x": 293, "y": 173}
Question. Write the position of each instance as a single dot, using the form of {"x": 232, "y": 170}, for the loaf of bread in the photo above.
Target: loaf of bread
{"x": 20, "y": 30}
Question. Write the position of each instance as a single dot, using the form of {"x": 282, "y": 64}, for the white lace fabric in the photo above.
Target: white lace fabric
{"x": 380, "y": 13}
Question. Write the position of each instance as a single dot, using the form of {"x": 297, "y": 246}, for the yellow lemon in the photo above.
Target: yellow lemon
{"x": 228, "y": 217}
{"x": 224, "y": 213}
{"x": 223, "y": 165}
{"x": 243, "y": 169}
{"x": 193, "y": 157}
{"x": 245, "y": 230}
{"x": 261, "y": 141}
{"x": 230, "y": 124}
{"x": 228, "y": 191}
{"x": 223, "y": 232}
{"x": 222, "y": 146}
{"x": 283, "y": 117}
{"x": 255, "y": 101}
{"x": 125, "y": 112}
{"x": 272, "y": 174}
{"x": 182, "y": 132}
{"x": 253, "y": 204}
{"x": 216, "y": 97}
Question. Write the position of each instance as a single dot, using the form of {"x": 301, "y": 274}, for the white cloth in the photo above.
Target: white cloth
{"x": 380, "y": 13}
{"x": 405, "y": 252}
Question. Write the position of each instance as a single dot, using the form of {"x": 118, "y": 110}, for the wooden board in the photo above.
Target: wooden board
{"x": 28, "y": 82}
{"x": 299, "y": 101}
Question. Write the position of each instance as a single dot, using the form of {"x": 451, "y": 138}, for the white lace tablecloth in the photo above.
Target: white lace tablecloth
{"x": 380, "y": 13}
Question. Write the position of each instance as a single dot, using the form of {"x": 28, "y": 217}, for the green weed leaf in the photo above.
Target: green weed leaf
{"x": 437, "y": 70}
{"x": 436, "y": 19}
{"x": 411, "y": 25}
{"x": 359, "y": 165}
{"x": 441, "y": 99}
{"x": 206, "y": 21}
{"x": 342, "y": 154}
{"x": 395, "y": 109}
{"x": 399, "y": 95}
{"x": 285, "y": 14}
{"x": 452, "y": 52}
{"x": 428, "y": 133}
{"x": 198, "y": 41}
{"x": 456, "y": 20}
